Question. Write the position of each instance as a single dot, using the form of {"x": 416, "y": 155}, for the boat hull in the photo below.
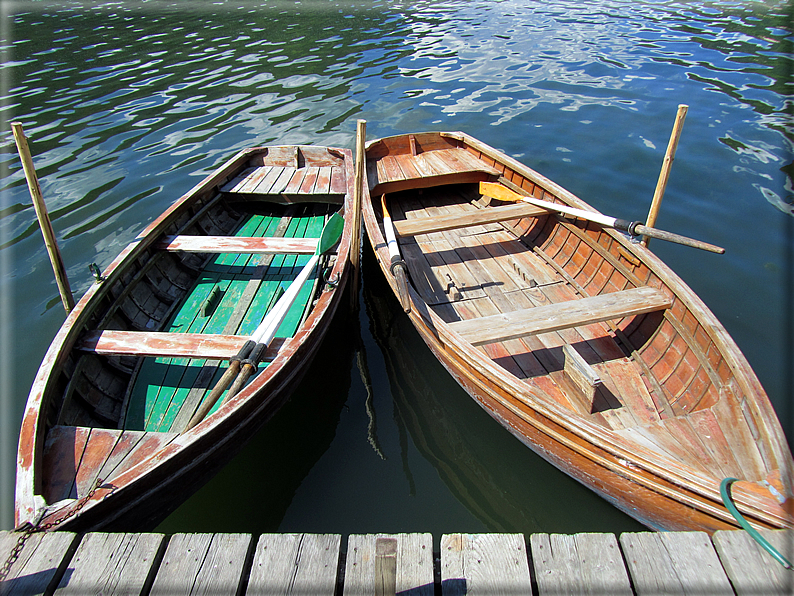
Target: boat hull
{"x": 662, "y": 489}
{"x": 139, "y": 475}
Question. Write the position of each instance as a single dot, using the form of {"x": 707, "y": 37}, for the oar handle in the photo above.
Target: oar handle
{"x": 221, "y": 385}
{"x": 636, "y": 228}
{"x": 397, "y": 265}
{"x": 397, "y": 269}
{"x": 249, "y": 365}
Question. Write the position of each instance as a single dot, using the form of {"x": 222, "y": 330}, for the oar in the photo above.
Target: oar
{"x": 247, "y": 359}
{"x": 397, "y": 266}
{"x": 635, "y": 228}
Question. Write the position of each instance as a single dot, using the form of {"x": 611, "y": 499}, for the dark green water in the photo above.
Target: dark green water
{"x": 127, "y": 105}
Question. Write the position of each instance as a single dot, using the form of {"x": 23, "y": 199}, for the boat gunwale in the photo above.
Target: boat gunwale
{"x": 432, "y": 327}
{"x": 28, "y": 501}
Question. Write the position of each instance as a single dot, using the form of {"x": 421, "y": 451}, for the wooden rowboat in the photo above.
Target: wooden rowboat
{"x": 105, "y": 440}
{"x": 581, "y": 343}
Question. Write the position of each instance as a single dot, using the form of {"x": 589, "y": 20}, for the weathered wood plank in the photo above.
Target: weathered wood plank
{"x": 563, "y": 315}
{"x": 674, "y": 563}
{"x": 579, "y": 564}
{"x": 484, "y": 564}
{"x": 202, "y": 564}
{"x": 239, "y": 245}
{"x": 475, "y": 218}
{"x": 750, "y": 568}
{"x": 157, "y": 343}
{"x": 112, "y": 564}
{"x": 372, "y": 569}
{"x": 293, "y": 564}
{"x": 40, "y": 563}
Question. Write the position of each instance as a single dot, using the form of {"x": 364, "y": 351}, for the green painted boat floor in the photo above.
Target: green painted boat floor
{"x": 164, "y": 385}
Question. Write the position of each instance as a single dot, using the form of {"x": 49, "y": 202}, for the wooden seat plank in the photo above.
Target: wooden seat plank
{"x": 338, "y": 180}
{"x": 237, "y": 183}
{"x": 483, "y": 216}
{"x": 281, "y": 182}
{"x": 323, "y": 184}
{"x": 294, "y": 184}
{"x": 267, "y": 182}
{"x": 158, "y": 343}
{"x": 238, "y": 244}
{"x": 309, "y": 180}
{"x": 563, "y": 315}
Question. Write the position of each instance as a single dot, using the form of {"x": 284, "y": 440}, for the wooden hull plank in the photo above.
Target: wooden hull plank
{"x": 62, "y": 454}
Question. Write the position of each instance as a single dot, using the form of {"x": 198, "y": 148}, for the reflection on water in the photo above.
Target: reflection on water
{"x": 127, "y": 104}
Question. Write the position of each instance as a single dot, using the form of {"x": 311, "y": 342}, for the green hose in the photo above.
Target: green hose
{"x": 725, "y": 491}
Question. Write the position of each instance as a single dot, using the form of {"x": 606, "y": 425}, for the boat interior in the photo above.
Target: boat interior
{"x": 141, "y": 369}
{"x": 564, "y": 308}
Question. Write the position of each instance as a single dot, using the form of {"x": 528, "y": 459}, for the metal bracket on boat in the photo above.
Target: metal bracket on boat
{"x": 397, "y": 263}
{"x": 95, "y": 271}
{"x": 331, "y": 282}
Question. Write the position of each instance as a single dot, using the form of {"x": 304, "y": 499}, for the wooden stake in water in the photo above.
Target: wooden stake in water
{"x": 358, "y": 192}
{"x": 43, "y": 217}
{"x": 664, "y": 175}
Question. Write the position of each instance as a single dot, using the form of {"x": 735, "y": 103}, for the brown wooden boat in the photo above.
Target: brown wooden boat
{"x": 580, "y": 342}
{"x": 111, "y": 438}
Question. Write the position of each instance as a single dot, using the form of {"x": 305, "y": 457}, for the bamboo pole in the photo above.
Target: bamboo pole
{"x": 44, "y": 218}
{"x": 358, "y": 192}
{"x": 667, "y": 164}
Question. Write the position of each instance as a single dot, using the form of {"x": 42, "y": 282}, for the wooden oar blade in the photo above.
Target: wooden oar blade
{"x": 332, "y": 232}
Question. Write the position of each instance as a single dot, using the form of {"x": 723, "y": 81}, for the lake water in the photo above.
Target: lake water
{"x": 128, "y": 105}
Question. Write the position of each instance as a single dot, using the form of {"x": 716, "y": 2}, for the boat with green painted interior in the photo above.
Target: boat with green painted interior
{"x": 145, "y": 391}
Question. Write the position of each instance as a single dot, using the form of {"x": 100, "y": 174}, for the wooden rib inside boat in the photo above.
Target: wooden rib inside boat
{"x": 104, "y": 442}
{"x": 580, "y": 342}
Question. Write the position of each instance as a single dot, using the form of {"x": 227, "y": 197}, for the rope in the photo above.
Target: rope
{"x": 725, "y": 492}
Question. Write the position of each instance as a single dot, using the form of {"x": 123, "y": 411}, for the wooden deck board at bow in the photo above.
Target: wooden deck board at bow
{"x": 389, "y": 564}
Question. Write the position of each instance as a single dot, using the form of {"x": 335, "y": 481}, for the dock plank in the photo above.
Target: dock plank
{"x": 674, "y": 563}
{"x": 292, "y": 564}
{"x": 202, "y": 564}
{"x": 750, "y": 568}
{"x": 484, "y": 564}
{"x": 40, "y": 563}
{"x": 579, "y": 564}
{"x": 109, "y": 564}
{"x": 371, "y": 568}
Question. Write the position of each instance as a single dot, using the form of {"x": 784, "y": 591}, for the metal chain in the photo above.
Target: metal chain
{"x": 28, "y": 529}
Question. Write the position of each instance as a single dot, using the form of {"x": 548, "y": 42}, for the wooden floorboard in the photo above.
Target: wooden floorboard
{"x": 729, "y": 562}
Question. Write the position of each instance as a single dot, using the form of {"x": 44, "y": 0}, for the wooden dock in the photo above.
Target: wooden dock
{"x": 474, "y": 564}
